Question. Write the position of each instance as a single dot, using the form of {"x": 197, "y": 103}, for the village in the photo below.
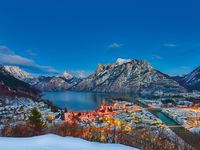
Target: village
{"x": 186, "y": 117}
{"x": 118, "y": 115}
{"x": 114, "y": 116}
{"x": 15, "y": 111}
{"x": 182, "y": 111}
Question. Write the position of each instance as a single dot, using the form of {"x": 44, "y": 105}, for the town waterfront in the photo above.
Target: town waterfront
{"x": 88, "y": 101}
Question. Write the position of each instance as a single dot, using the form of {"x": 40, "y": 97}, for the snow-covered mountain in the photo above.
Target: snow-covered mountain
{"x": 20, "y": 74}
{"x": 128, "y": 76}
{"x": 52, "y": 84}
{"x": 61, "y": 82}
{"x": 123, "y": 76}
{"x": 65, "y": 75}
{"x": 191, "y": 80}
{"x": 14, "y": 86}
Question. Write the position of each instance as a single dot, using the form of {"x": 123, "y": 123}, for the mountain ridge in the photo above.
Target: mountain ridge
{"x": 191, "y": 80}
{"x": 128, "y": 76}
{"x": 61, "y": 82}
{"x": 122, "y": 76}
{"x": 13, "y": 86}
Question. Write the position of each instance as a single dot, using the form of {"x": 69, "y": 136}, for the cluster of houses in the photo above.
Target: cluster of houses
{"x": 171, "y": 102}
{"x": 140, "y": 118}
{"x": 195, "y": 94}
{"x": 187, "y": 117}
{"x": 117, "y": 115}
{"x": 15, "y": 111}
{"x": 152, "y": 103}
{"x": 183, "y": 103}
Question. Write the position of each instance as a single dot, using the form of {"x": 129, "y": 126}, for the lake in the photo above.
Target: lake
{"x": 78, "y": 101}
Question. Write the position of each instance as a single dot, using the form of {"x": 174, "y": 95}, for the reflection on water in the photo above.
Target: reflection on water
{"x": 78, "y": 101}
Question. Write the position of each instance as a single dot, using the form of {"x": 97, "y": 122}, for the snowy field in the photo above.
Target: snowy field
{"x": 54, "y": 142}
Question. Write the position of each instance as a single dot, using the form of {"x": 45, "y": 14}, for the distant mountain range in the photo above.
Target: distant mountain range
{"x": 44, "y": 83}
{"x": 123, "y": 76}
{"x": 61, "y": 82}
{"x": 190, "y": 81}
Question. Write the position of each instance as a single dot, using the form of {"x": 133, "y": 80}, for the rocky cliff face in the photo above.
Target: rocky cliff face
{"x": 191, "y": 80}
{"x": 127, "y": 76}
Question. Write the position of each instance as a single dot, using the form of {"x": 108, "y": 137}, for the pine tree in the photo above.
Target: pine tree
{"x": 36, "y": 121}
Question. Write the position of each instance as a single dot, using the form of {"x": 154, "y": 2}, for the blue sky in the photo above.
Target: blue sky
{"x": 51, "y": 36}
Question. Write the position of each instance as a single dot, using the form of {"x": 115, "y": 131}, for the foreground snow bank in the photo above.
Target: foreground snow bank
{"x": 195, "y": 130}
{"x": 54, "y": 142}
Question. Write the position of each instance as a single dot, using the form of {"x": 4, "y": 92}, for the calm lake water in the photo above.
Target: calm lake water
{"x": 78, "y": 101}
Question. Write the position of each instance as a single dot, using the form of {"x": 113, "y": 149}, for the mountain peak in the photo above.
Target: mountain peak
{"x": 121, "y": 61}
{"x": 66, "y": 75}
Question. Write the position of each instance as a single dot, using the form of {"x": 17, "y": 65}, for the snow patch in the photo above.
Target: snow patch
{"x": 54, "y": 142}
{"x": 121, "y": 61}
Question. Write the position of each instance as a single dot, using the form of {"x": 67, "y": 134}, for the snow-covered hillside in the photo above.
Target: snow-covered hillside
{"x": 54, "y": 142}
{"x": 20, "y": 74}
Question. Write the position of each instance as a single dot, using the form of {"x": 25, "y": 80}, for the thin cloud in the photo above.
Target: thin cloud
{"x": 114, "y": 45}
{"x": 5, "y": 50}
{"x": 13, "y": 59}
{"x": 170, "y": 45}
{"x": 8, "y": 57}
{"x": 158, "y": 57}
{"x": 31, "y": 53}
{"x": 42, "y": 69}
